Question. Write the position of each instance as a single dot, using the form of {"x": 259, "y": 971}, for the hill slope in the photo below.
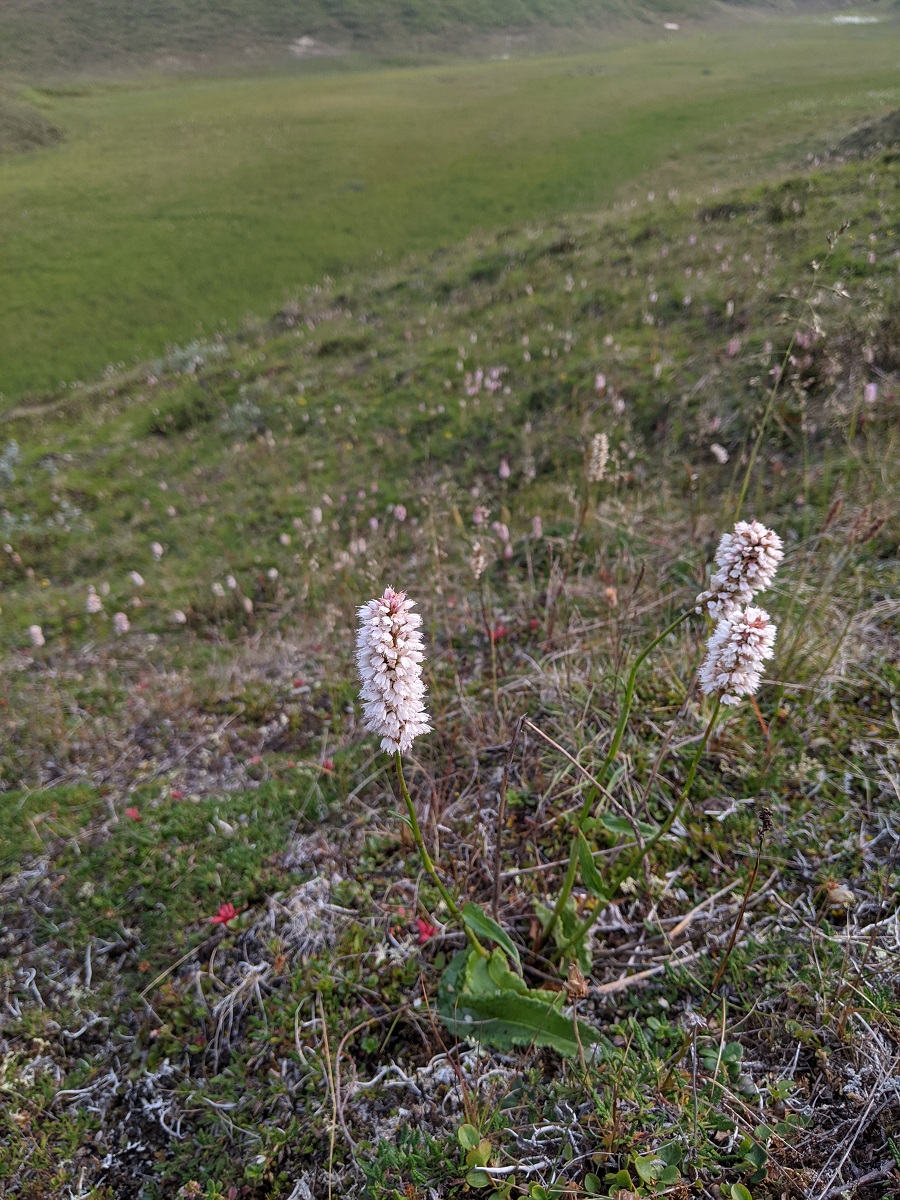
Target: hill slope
{"x": 427, "y": 428}
{"x": 84, "y": 34}
{"x": 177, "y": 205}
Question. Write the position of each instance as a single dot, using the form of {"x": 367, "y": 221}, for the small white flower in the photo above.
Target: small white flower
{"x": 719, "y": 453}
{"x": 477, "y": 560}
{"x": 747, "y": 560}
{"x": 136, "y": 579}
{"x": 156, "y": 550}
{"x": 231, "y": 581}
{"x": 37, "y": 636}
{"x": 94, "y": 604}
{"x": 178, "y": 617}
{"x": 742, "y": 641}
{"x": 217, "y": 590}
{"x": 598, "y": 457}
{"x": 389, "y": 654}
{"x": 121, "y": 624}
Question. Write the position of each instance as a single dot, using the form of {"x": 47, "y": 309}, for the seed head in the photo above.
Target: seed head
{"x": 742, "y": 641}
{"x": 388, "y": 654}
{"x": 746, "y": 562}
{"x": 37, "y": 636}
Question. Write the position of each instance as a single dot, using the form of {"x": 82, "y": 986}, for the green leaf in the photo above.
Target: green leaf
{"x": 477, "y": 1178}
{"x": 670, "y": 1153}
{"x": 739, "y": 1192}
{"x": 480, "y": 1155}
{"x": 756, "y": 1155}
{"x": 732, "y": 1053}
{"x": 592, "y": 1185}
{"x": 468, "y": 1136}
{"x": 592, "y": 878}
{"x": 564, "y": 929}
{"x": 484, "y": 927}
{"x": 623, "y": 827}
{"x": 473, "y": 1002}
{"x": 650, "y": 1167}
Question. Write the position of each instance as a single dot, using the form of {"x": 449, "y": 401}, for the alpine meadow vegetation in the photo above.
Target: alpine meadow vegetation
{"x": 450, "y": 723}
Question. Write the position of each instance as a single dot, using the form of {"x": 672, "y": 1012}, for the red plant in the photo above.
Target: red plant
{"x": 426, "y": 930}
{"x": 134, "y": 813}
{"x": 226, "y": 913}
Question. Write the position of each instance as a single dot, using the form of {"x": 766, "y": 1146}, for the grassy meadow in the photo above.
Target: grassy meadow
{"x": 399, "y": 428}
{"x": 224, "y": 972}
{"x": 175, "y": 206}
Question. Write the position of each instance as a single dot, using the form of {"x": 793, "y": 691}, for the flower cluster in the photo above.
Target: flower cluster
{"x": 746, "y": 562}
{"x": 388, "y": 654}
{"x": 735, "y": 654}
{"x": 598, "y": 458}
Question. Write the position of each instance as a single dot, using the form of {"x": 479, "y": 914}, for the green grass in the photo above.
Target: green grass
{"x": 174, "y": 208}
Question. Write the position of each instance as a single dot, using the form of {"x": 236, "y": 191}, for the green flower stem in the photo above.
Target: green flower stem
{"x": 427, "y": 860}
{"x": 637, "y": 858}
{"x": 569, "y": 881}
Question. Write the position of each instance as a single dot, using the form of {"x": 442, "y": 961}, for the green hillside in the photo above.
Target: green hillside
{"x": 88, "y": 34}
{"x": 174, "y": 206}
{"x": 429, "y": 427}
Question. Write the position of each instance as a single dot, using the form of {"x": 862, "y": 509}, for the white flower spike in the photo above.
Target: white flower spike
{"x": 747, "y": 560}
{"x": 598, "y": 458}
{"x": 735, "y": 654}
{"x": 389, "y": 654}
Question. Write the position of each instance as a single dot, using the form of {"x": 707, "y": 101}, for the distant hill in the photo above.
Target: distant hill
{"x": 41, "y": 37}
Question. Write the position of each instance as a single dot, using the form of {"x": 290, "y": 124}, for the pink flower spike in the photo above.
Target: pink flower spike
{"x": 134, "y": 813}
{"x": 226, "y": 913}
{"x": 426, "y": 930}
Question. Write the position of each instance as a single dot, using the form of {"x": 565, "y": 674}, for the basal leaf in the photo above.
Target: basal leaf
{"x": 484, "y": 926}
{"x": 473, "y": 1002}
